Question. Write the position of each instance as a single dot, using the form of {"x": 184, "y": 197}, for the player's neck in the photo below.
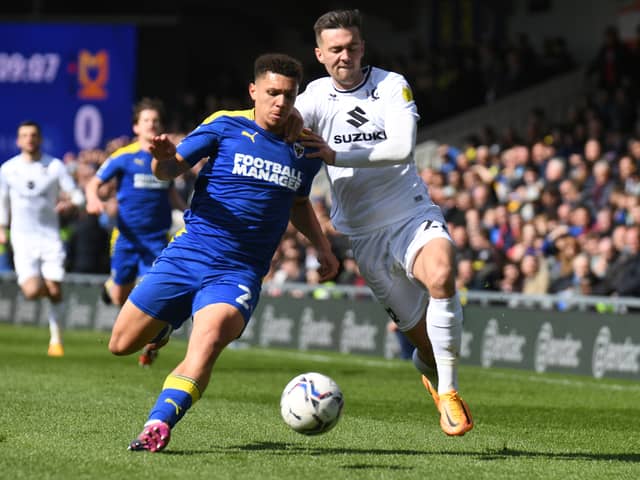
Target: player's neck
{"x": 350, "y": 84}
{"x": 276, "y": 130}
{"x": 144, "y": 144}
{"x": 31, "y": 156}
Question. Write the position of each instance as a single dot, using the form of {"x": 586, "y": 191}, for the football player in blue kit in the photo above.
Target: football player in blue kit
{"x": 144, "y": 208}
{"x": 253, "y": 184}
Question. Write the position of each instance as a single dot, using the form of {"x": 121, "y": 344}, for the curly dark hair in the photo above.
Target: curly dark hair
{"x": 278, "y": 63}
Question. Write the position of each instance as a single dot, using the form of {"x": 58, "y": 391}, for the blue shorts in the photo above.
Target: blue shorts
{"x": 187, "y": 277}
{"x": 132, "y": 257}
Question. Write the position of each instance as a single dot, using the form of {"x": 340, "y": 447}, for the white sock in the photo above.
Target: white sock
{"x": 428, "y": 371}
{"x": 444, "y": 327}
{"x": 55, "y": 312}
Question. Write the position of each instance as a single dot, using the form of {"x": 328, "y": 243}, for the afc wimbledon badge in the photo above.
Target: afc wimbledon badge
{"x": 298, "y": 149}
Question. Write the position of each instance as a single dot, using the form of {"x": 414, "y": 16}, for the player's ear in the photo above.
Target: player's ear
{"x": 252, "y": 90}
{"x": 318, "y": 53}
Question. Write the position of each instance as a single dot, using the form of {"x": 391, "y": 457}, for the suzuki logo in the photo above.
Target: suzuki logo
{"x": 357, "y": 117}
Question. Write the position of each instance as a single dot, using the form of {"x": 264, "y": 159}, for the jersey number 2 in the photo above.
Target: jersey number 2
{"x": 245, "y": 297}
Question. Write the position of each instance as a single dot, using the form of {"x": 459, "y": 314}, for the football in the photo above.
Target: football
{"x": 311, "y": 403}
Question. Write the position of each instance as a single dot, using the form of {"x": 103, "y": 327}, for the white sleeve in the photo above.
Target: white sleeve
{"x": 68, "y": 185}
{"x": 401, "y": 128}
{"x": 4, "y": 202}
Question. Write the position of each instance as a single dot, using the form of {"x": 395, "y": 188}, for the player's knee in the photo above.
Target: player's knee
{"x": 30, "y": 295}
{"x": 31, "y": 291}
{"x": 114, "y": 346}
{"x": 441, "y": 281}
{"x": 55, "y": 294}
{"x": 118, "y": 345}
{"x": 117, "y": 349}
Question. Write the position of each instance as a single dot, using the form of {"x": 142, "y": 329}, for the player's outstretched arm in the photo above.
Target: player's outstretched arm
{"x": 319, "y": 147}
{"x": 303, "y": 217}
{"x": 398, "y": 148}
{"x": 94, "y": 205}
{"x": 167, "y": 164}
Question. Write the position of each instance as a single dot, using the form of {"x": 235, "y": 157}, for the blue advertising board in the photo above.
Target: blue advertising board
{"x": 76, "y": 80}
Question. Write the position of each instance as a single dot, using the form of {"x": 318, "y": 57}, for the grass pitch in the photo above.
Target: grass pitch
{"x": 73, "y": 417}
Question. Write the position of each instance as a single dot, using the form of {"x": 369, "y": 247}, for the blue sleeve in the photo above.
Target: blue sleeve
{"x": 312, "y": 171}
{"x": 110, "y": 168}
{"x": 202, "y": 142}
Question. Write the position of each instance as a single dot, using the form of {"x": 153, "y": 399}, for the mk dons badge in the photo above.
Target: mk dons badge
{"x": 93, "y": 75}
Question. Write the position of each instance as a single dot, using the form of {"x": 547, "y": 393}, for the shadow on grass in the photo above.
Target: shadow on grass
{"x": 278, "y": 448}
{"x": 369, "y": 466}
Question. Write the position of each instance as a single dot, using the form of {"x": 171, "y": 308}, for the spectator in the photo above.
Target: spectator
{"x": 604, "y": 222}
{"x": 535, "y": 274}
{"x": 554, "y": 171}
{"x": 465, "y": 276}
{"x": 602, "y": 260}
{"x": 626, "y": 243}
{"x": 611, "y": 65}
{"x": 599, "y": 186}
{"x": 550, "y": 199}
{"x": 511, "y": 280}
{"x": 569, "y": 192}
{"x": 88, "y": 245}
{"x": 527, "y": 243}
{"x": 456, "y": 214}
{"x": 500, "y": 234}
{"x": 565, "y": 248}
{"x": 627, "y": 282}
{"x": 579, "y": 281}
{"x": 628, "y": 175}
{"x": 486, "y": 258}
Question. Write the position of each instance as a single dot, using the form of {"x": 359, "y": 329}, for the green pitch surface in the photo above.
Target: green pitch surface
{"x": 73, "y": 417}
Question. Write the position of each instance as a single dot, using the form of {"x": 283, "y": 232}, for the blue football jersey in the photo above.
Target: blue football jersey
{"x": 143, "y": 200}
{"x": 244, "y": 193}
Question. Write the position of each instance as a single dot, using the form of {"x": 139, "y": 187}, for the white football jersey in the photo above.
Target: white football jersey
{"x": 32, "y": 190}
{"x": 365, "y": 199}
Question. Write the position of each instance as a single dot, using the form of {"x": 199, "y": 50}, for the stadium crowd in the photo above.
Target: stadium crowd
{"x": 445, "y": 80}
{"x": 554, "y": 209}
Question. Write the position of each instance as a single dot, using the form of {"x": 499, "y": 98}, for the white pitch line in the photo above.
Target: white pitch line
{"x": 327, "y": 359}
{"x": 573, "y": 382}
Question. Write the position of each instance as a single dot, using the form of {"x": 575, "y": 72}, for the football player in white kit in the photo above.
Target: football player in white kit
{"x": 366, "y": 121}
{"x": 30, "y": 186}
